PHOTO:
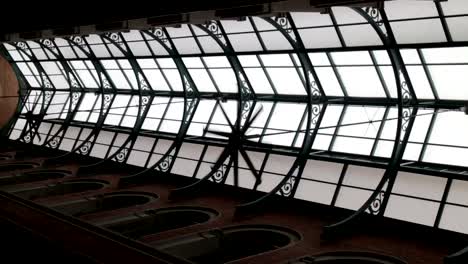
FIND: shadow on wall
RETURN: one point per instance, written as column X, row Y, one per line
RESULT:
column 8, row 87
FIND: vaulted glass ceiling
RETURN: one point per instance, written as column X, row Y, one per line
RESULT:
column 359, row 108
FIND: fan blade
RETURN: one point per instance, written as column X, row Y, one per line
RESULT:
column 253, row 118
column 226, row 116
column 236, row 168
column 249, row 162
column 253, row 136
column 219, row 133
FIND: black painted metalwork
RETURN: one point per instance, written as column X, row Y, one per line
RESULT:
column 315, row 101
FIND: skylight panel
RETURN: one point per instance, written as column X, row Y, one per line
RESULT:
column 410, row 9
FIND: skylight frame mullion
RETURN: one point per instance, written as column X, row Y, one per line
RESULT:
column 210, row 119
column 337, row 74
column 163, row 74
column 298, row 71
column 267, row 122
column 111, row 145
column 443, row 21
column 126, row 76
column 151, row 151
column 195, row 37
column 82, row 128
column 64, row 74
column 106, row 44
column 299, row 128
column 443, row 202
column 92, row 108
column 270, row 81
column 36, row 77
column 64, row 105
column 379, row 132
column 337, row 128
column 339, row 184
column 337, row 27
column 428, row 135
column 257, row 33
column 154, row 58
column 164, row 114
column 207, row 69
column 428, row 74
column 379, row 73
column 78, row 76
column 200, row 160
column 126, row 110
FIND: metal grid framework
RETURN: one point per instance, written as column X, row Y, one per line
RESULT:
column 357, row 108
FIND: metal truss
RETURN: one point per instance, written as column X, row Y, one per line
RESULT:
column 248, row 105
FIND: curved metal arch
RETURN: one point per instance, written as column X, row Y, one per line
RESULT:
column 376, row 203
column 191, row 100
column 27, row 136
column 288, row 185
column 229, row 156
column 53, row 141
column 23, row 84
column 121, row 154
column 105, row 84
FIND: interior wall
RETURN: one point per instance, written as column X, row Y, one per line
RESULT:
column 8, row 87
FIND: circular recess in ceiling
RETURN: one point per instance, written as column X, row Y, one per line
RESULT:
column 5, row 157
column 60, row 188
column 105, row 202
column 33, row 176
column 347, row 257
column 228, row 244
column 160, row 220
column 17, row 166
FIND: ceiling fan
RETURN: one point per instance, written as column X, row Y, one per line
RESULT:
column 236, row 141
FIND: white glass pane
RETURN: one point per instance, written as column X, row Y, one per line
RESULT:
column 233, row 26
column 346, row 15
column 353, row 145
column 418, row 185
column 176, row 32
column 446, row 55
column 410, row 9
column 454, row 7
column 311, row 19
column 286, row 80
column 450, row 128
column 412, row 210
column 363, row 177
column 282, row 118
column 419, row 31
column 329, row 81
column 322, row 171
column 361, row 81
column 457, row 27
column 328, row 38
column 274, row 40
column 420, row 83
column 446, row 155
column 202, row 80
column 360, row 35
column 245, row 42
column 450, row 81
column 352, row 198
column 454, row 218
column 279, row 164
column 186, row 45
column 258, row 80
column 225, row 79
column 315, row 191
column 458, row 193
